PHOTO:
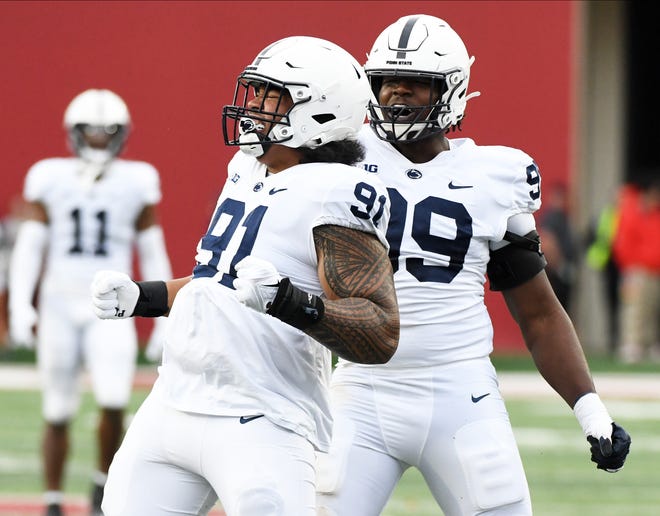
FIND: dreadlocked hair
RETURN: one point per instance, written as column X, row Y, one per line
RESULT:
column 348, row 152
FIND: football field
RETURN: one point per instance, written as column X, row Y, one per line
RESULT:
column 562, row 480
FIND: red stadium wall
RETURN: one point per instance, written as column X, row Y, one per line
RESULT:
column 175, row 64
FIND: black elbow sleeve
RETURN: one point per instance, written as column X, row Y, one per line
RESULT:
column 517, row 262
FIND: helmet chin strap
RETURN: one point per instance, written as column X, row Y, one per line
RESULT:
column 410, row 131
column 90, row 172
column 252, row 142
column 96, row 156
column 93, row 164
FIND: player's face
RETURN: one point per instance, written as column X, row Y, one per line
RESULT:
column 98, row 137
column 268, row 99
column 407, row 92
column 265, row 105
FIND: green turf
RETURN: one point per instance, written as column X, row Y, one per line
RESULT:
column 562, row 480
column 27, row 356
column 20, row 441
column 597, row 363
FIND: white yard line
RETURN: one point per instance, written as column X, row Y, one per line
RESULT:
column 643, row 386
column 26, row 377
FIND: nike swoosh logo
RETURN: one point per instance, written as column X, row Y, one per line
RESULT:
column 273, row 191
column 452, row 186
column 476, row 399
column 247, row 419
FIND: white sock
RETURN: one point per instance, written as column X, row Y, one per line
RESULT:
column 53, row 497
column 99, row 478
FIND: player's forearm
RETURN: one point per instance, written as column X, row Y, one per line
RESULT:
column 173, row 287
column 550, row 337
column 155, row 298
column 358, row 330
column 559, row 358
column 361, row 321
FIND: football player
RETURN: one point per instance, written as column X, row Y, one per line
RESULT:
column 460, row 212
column 293, row 266
column 84, row 213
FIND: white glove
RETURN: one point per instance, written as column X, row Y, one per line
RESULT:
column 256, row 283
column 154, row 350
column 21, row 322
column 114, row 295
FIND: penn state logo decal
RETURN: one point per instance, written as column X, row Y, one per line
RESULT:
column 413, row 173
column 258, row 186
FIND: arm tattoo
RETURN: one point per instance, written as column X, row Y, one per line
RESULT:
column 361, row 321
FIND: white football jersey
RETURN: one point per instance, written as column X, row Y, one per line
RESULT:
column 444, row 214
column 223, row 358
column 91, row 225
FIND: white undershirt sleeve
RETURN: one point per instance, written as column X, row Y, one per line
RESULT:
column 520, row 224
column 154, row 261
column 26, row 262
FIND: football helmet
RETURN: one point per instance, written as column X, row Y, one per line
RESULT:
column 327, row 86
column 419, row 46
column 99, row 116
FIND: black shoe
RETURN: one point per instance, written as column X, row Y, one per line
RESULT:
column 54, row 509
column 97, row 498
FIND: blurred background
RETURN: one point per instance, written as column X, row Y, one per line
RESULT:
column 574, row 84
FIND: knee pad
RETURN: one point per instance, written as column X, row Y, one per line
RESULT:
column 491, row 463
column 58, row 407
column 260, row 502
column 324, row 511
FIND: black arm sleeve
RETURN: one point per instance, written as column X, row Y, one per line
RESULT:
column 516, row 263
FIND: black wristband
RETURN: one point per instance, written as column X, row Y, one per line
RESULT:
column 296, row 307
column 152, row 301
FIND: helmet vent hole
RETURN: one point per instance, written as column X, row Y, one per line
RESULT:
column 323, row 118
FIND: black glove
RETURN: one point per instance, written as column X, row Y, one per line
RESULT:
column 610, row 455
column 259, row 286
column 295, row 306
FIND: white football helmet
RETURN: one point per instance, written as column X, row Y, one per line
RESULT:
column 100, row 114
column 328, row 87
column 419, row 46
